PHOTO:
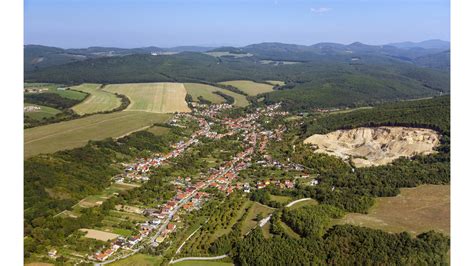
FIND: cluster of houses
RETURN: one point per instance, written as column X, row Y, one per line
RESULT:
column 283, row 184
column 31, row 108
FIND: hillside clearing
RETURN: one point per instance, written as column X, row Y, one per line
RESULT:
column 76, row 133
column 97, row 101
column 415, row 210
column 250, row 87
column 163, row 97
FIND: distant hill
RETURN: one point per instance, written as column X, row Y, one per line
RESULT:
column 39, row 56
column 429, row 44
column 439, row 61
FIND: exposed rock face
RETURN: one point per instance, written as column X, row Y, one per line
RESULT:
column 375, row 146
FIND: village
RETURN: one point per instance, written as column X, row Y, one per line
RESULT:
column 190, row 194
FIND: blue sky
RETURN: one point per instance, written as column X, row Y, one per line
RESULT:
column 166, row 23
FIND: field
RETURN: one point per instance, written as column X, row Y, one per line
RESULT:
column 281, row 199
column 249, row 222
column 157, row 130
column 202, row 263
column 153, row 97
column 219, row 54
column 53, row 88
column 304, row 203
column 97, row 101
column 139, row 260
column 99, row 235
column 76, row 133
column 276, row 82
column 414, row 210
column 249, row 87
column 44, row 112
column 206, row 91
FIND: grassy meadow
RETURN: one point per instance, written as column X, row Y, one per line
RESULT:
column 76, row 133
column 97, row 101
column 414, row 210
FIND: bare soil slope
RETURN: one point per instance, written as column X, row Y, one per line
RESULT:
column 375, row 146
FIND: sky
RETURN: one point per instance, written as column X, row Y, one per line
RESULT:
column 168, row 23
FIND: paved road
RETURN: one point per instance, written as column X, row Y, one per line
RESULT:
column 198, row 258
column 296, row 201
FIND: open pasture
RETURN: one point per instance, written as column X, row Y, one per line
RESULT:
column 163, row 97
column 76, row 133
column 414, row 210
column 250, row 87
column 97, row 101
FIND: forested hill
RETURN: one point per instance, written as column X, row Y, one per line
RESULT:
column 329, row 76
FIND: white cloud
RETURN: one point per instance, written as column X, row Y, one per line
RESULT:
column 320, row 10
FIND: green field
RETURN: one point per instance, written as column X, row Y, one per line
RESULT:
column 44, row 112
column 281, row 199
column 97, row 101
column 161, row 97
column 139, row 260
column 157, row 130
column 304, row 203
column 414, row 210
column 249, row 222
column 206, row 91
column 202, row 263
column 76, row 133
column 249, row 87
column 53, row 88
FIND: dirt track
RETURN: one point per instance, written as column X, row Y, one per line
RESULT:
column 375, row 146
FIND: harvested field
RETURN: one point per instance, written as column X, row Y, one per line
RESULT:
column 158, row 131
column 76, row 133
column 249, row 87
column 375, row 146
column 414, row 210
column 153, row 97
column 99, row 235
column 97, row 101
